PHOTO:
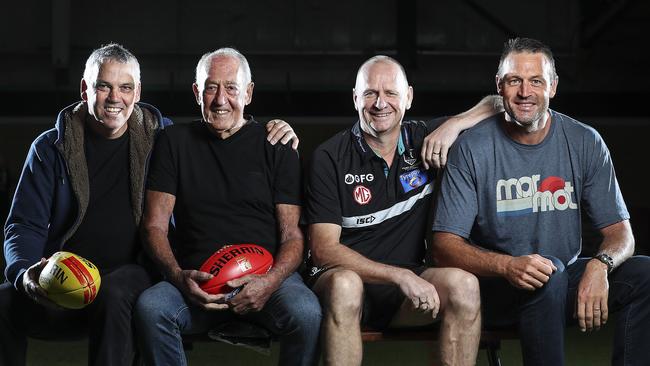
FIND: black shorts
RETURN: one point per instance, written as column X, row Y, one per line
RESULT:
column 380, row 302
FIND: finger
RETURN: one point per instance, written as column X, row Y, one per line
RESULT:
column 435, row 308
column 581, row 316
column 199, row 276
column 240, row 281
column 296, row 142
column 597, row 316
column 279, row 133
column 425, row 154
column 442, row 159
column 531, row 280
column 215, row 307
column 272, row 123
column 546, row 264
column 541, row 277
column 589, row 315
column 604, row 311
column 287, row 137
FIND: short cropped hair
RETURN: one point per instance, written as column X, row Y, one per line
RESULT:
column 530, row 45
column 381, row 58
column 110, row 52
column 204, row 64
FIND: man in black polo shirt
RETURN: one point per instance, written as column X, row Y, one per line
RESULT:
column 225, row 184
column 369, row 195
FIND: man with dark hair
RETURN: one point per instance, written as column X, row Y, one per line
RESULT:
column 509, row 211
column 224, row 184
column 368, row 199
column 81, row 190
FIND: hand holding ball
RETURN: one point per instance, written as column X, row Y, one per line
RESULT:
column 70, row 280
column 232, row 262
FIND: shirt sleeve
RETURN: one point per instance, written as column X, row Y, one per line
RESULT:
column 163, row 170
column 323, row 201
column 601, row 196
column 457, row 202
column 288, row 183
column 27, row 227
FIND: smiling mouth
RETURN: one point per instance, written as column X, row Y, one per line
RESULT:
column 381, row 115
column 220, row 112
column 113, row 110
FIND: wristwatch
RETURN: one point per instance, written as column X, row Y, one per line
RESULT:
column 609, row 262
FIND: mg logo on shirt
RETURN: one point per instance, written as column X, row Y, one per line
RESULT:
column 362, row 195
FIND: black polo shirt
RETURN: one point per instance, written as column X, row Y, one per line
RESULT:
column 382, row 212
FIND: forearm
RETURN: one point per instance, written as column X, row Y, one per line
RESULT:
column 450, row 250
column 335, row 255
column 159, row 249
column 488, row 106
column 618, row 242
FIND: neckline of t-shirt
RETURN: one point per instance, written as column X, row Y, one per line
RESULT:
column 547, row 138
column 235, row 136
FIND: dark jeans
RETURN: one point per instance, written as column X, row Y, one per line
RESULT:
column 541, row 316
column 107, row 321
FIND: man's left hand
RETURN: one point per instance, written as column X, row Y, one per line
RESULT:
column 255, row 293
column 436, row 145
column 593, row 290
column 279, row 130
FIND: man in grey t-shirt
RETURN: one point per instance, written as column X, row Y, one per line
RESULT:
column 509, row 212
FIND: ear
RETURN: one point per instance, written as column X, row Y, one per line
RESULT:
column 249, row 92
column 554, row 87
column 197, row 93
column 409, row 97
column 84, row 88
column 499, row 83
column 354, row 98
column 138, row 89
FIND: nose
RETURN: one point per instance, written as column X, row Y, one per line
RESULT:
column 380, row 102
column 220, row 98
column 114, row 94
column 524, row 89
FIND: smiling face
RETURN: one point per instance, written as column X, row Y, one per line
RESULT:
column 381, row 96
column 111, row 97
column 527, row 83
column 223, row 94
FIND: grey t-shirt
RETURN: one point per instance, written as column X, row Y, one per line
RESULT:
column 523, row 199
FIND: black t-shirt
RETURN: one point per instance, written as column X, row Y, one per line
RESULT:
column 107, row 235
column 226, row 190
column 383, row 217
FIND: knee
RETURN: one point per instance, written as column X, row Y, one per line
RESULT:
column 343, row 293
column 149, row 308
column 634, row 271
column 464, row 291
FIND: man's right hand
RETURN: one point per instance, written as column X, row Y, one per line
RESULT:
column 187, row 281
column 32, row 288
column 529, row 272
column 421, row 293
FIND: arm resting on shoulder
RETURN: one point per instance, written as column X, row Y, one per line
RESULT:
column 436, row 145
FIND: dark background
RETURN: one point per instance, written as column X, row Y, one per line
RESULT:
column 304, row 56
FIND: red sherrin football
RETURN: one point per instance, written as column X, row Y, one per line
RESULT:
column 234, row 261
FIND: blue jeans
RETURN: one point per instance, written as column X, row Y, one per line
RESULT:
column 541, row 315
column 163, row 315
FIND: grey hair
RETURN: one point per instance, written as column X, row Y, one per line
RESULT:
column 204, row 64
column 381, row 58
column 110, row 52
column 530, row 45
